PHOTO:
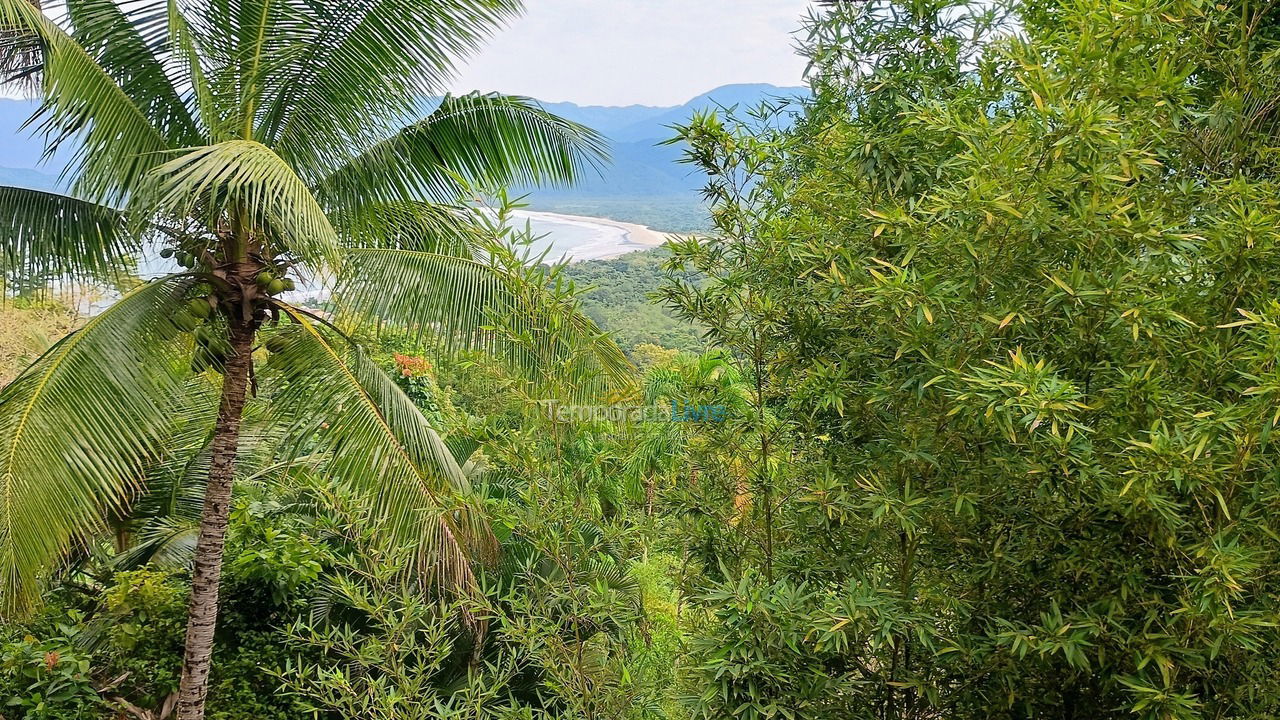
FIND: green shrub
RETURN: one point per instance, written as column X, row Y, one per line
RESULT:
column 145, row 617
column 47, row 680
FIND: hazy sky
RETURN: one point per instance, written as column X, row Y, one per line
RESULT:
column 651, row 52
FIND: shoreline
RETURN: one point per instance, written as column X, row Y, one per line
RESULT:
column 636, row 237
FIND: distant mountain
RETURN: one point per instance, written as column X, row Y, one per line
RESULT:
column 645, row 183
column 636, row 123
column 27, row 178
column 658, row 127
column 608, row 119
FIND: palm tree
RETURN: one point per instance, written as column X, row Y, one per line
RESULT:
column 261, row 141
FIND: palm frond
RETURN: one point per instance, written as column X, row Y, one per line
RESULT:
column 21, row 57
column 49, row 235
column 459, row 303
column 468, row 141
column 411, row 226
column 186, row 59
column 164, row 542
column 363, row 67
column 656, row 449
column 376, row 441
column 130, row 40
column 117, row 142
column 244, row 175
column 446, row 296
column 242, row 44
column 79, row 426
column 164, row 519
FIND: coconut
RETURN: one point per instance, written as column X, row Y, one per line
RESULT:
column 276, row 344
column 264, row 278
column 275, row 286
column 185, row 322
column 200, row 307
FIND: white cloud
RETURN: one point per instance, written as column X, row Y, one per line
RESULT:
column 654, row 52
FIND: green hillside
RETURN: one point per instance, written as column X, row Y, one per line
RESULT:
column 619, row 301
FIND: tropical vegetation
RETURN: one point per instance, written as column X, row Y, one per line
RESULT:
column 976, row 425
column 259, row 143
column 617, row 295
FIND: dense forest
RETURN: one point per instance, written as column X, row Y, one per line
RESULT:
column 618, row 295
column 961, row 410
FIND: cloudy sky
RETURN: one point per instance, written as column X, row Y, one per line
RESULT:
column 651, row 52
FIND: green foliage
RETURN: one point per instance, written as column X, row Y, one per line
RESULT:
column 995, row 338
column 758, row 645
column 242, row 687
column 47, row 680
column 258, row 156
column 457, row 297
column 485, row 140
column 262, row 145
column 55, row 235
column 380, row 650
column 127, row 352
column 573, row 617
column 275, row 551
column 1003, row 302
column 143, row 613
column 619, row 301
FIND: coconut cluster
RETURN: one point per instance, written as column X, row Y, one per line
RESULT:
column 211, row 342
column 272, row 284
column 186, row 259
column 200, row 316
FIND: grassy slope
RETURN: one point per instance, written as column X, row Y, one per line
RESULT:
column 28, row 328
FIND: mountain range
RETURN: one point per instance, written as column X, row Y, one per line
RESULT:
column 644, row 182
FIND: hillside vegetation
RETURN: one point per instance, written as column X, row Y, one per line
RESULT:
column 619, row 294
column 965, row 412
column 28, row 327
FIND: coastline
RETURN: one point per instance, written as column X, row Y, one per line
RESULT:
column 635, row 237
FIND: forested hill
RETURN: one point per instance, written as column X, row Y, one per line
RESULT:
column 619, row 302
column 645, row 182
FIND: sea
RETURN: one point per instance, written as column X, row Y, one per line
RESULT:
column 572, row 238
column 562, row 238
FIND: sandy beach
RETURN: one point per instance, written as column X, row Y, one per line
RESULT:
column 615, row 238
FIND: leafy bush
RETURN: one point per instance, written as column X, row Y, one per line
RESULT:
column 144, row 617
column 275, row 549
column 47, row 680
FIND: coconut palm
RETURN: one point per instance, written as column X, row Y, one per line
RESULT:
column 260, row 142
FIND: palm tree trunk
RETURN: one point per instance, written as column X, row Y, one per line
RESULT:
column 202, row 615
